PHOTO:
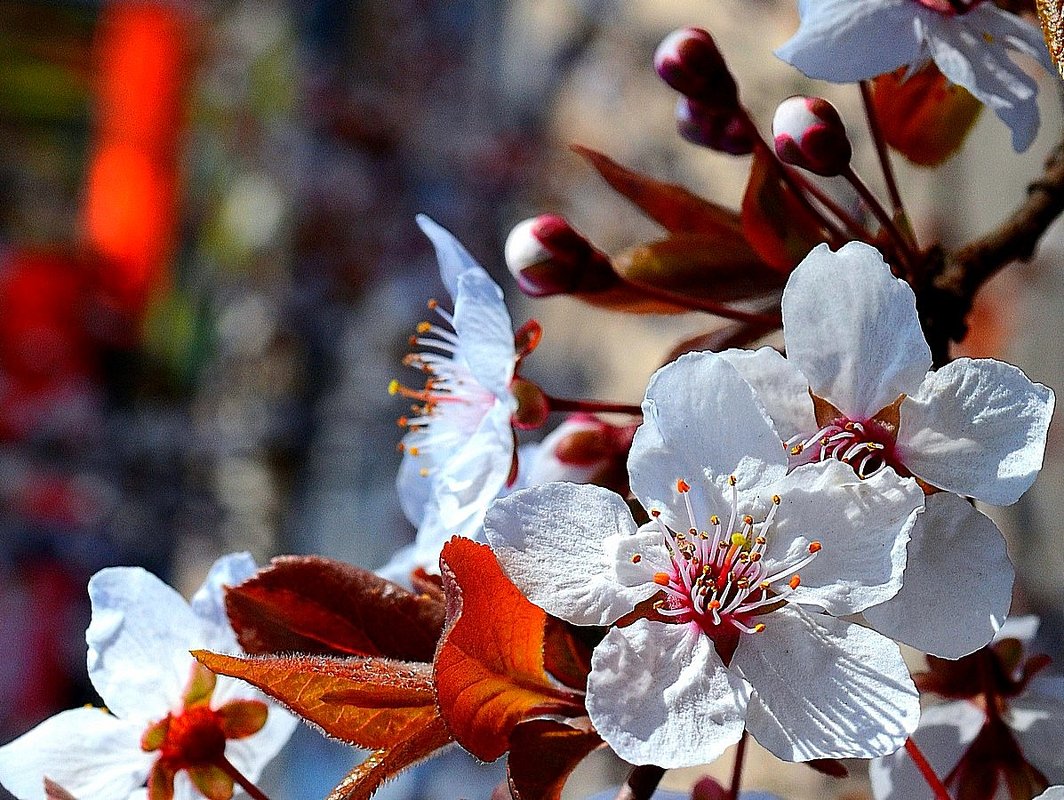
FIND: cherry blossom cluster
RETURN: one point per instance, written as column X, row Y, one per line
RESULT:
column 743, row 554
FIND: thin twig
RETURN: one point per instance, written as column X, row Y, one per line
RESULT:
column 227, row 767
column 592, row 406
column 737, row 768
column 945, row 294
column 876, row 130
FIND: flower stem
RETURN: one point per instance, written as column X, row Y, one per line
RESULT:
column 737, row 768
column 881, row 151
column 227, row 767
column 926, row 770
column 641, row 783
column 697, row 304
column 591, row 406
column 905, row 252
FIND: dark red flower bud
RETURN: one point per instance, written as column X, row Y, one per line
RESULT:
column 689, row 61
column 548, row 256
column 726, row 131
column 809, row 133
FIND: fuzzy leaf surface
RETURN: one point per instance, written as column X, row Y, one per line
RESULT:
column 543, row 753
column 309, row 604
column 489, row 669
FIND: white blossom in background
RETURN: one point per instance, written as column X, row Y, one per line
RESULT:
column 845, row 41
column 139, row 663
column 736, row 547
column 458, row 453
column 856, row 387
column 1034, row 720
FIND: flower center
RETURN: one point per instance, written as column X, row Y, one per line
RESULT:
column 452, row 403
column 866, row 446
column 719, row 580
column 194, row 737
column 950, row 7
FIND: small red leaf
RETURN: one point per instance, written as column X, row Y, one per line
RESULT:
column 367, row 702
column 776, row 223
column 675, row 208
column 489, row 665
column 543, row 753
column 418, row 744
column 565, row 657
column 309, row 604
column 923, row 116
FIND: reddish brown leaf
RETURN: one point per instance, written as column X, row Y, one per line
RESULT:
column 673, row 207
column 309, row 604
column 778, row 226
column 543, row 753
column 564, row 656
column 419, row 743
column 702, row 266
column 367, row 702
column 924, row 117
column 489, row 665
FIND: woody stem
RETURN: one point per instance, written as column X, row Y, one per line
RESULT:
column 925, row 768
column 876, row 130
column 591, row 406
column 226, row 766
column 737, row 768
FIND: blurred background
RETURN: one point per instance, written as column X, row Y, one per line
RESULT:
column 209, row 270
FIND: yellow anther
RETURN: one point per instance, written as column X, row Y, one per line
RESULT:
column 759, row 540
column 432, row 304
column 423, row 327
column 797, row 450
column 794, row 582
column 682, row 486
column 748, row 520
column 759, row 627
column 732, row 480
column 714, row 605
column 776, row 499
column 814, row 547
column 423, row 472
column 413, row 451
column 661, row 578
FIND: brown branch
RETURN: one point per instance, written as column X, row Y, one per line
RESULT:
column 950, row 281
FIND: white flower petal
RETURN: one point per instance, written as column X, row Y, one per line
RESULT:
column 208, row 603
column 945, row 732
column 850, row 40
column 1038, row 720
column 779, row 386
column 968, row 53
column 1052, row 793
column 957, row 586
column 413, row 487
column 851, row 328
column 824, row 688
column 659, row 694
column 560, row 543
column 476, row 472
column 701, row 423
column 453, row 258
column 1023, row 627
column 139, row 638
column 863, row 527
column 88, row 752
column 485, row 332
column 977, row 428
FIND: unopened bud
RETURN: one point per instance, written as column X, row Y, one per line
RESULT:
column 809, row 133
column 689, row 61
column 724, row 130
column 584, row 449
column 548, row 256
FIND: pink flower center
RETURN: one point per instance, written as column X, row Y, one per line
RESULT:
column 448, row 410
column 719, row 580
column 950, row 7
column 867, row 446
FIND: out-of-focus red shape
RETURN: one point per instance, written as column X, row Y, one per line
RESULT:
column 129, row 214
column 924, row 117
